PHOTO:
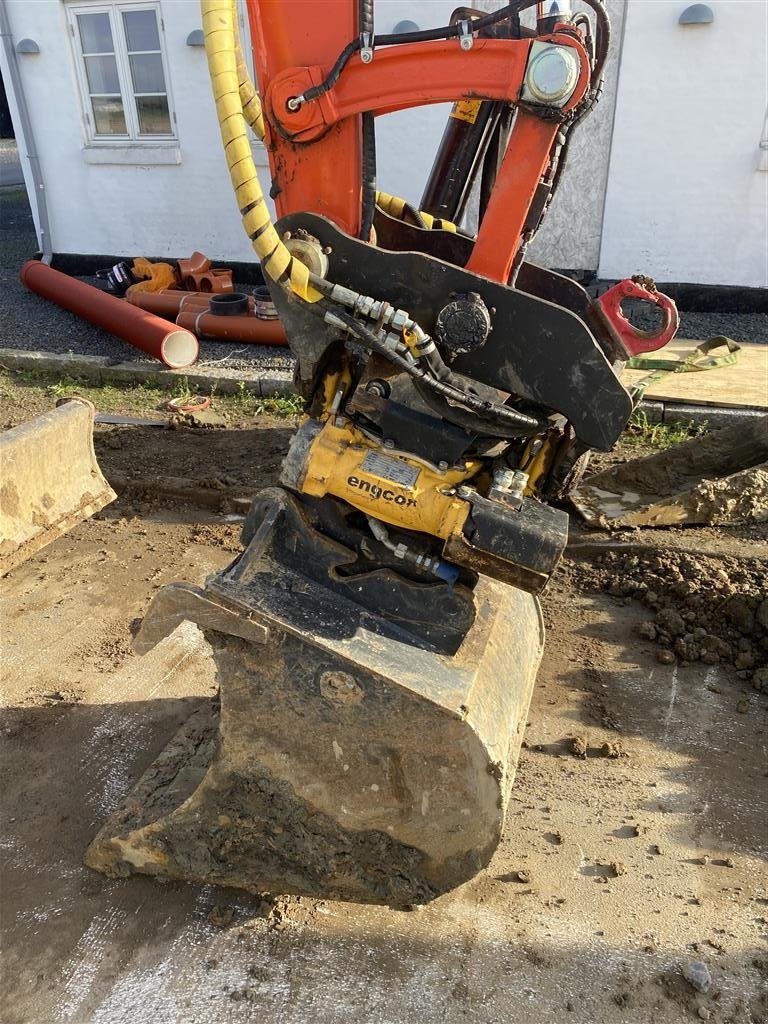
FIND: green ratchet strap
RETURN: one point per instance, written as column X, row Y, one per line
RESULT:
column 698, row 359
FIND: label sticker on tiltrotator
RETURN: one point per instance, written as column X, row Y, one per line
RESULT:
column 397, row 472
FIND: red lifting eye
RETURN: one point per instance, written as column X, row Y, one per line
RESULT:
column 630, row 339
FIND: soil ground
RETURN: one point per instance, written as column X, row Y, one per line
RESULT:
column 622, row 863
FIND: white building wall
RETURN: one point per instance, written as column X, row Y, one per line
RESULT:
column 169, row 210
column 113, row 208
column 686, row 201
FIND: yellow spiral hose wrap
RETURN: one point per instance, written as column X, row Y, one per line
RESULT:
column 221, row 47
column 249, row 96
column 395, row 207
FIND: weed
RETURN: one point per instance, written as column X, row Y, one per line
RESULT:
column 181, row 388
column 280, row 405
column 641, row 431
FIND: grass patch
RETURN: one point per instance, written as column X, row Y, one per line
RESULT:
column 640, row 431
column 135, row 399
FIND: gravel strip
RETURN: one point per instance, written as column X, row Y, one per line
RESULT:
column 739, row 326
column 28, row 321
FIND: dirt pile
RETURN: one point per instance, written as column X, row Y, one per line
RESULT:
column 712, row 610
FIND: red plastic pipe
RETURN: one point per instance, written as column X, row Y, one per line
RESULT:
column 175, row 346
column 170, row 302
column 247, row 329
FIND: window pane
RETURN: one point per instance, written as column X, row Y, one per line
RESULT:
column 141, row 30
column 108, row 115
column 102, row 74
column 147, row 72
column 154, row 118
column 95, row 33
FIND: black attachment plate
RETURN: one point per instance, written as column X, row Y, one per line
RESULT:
column 453, row 247
column 536, row 349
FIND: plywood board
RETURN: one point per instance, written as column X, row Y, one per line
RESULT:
column 742, row 385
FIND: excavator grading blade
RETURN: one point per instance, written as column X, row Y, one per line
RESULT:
column 351, row 759
column 49, row 480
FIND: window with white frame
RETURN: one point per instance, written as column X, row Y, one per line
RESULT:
column 122, row 71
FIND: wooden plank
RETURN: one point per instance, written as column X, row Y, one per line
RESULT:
column 744, row 384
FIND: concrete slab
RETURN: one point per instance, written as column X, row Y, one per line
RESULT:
column 10, row 165
column 11, row 174
column 265, row 383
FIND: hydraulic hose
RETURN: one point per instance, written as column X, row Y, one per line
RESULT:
column 524, row 425
column 424, row 563
column 397, row 207
column 220, row 33
column 369, row 175
column 249, row 96
column 365, row 27
column 452, row 32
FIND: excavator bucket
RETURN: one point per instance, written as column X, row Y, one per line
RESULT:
column 716, row 479
column 49, row 480
column 349, row 756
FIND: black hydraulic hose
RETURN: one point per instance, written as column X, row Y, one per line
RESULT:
column 369, row 175
column 365, row 24
column 453, row 31
column 525, row 425
column 333, row 75
column 603, row 38
column 602, row 44
column 365, row 16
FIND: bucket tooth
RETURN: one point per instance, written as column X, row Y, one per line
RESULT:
column 350, row 760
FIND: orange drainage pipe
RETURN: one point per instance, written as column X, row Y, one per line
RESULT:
column 170, row 302
column 247, row 329
column 174, row 346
